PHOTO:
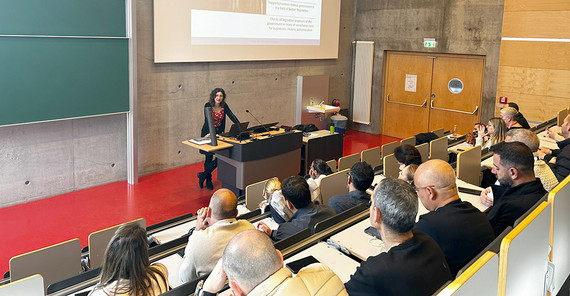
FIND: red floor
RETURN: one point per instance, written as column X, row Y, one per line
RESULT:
column 156, row 198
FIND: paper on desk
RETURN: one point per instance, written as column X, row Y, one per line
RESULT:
column 174, row 232
column 172, row 264
column 269, row 221
column 473, row 199
column 357, row 242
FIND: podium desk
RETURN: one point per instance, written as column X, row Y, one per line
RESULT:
column 261, row 157
column 264, row 155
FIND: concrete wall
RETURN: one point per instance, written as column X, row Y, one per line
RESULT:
column 68, row 155
column 459, row 26
column 44, row 159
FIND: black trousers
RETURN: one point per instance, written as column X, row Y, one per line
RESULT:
column 210, row 164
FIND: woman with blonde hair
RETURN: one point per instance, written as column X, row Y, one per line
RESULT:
column 496, row 133
column 274, row 198
column 126, row 268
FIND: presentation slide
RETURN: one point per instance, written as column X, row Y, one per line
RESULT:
column 284, row 22
column 234, row 30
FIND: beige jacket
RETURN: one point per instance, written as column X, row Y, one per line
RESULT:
column 313, row 280
column 545, row 174
column 205, row 247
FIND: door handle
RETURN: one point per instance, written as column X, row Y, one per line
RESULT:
column 424, row 104
column 453, row 110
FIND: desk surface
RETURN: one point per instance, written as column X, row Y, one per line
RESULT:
column 357, row 242
column 172, row 263
column 546, row 141
column 338, row 262
column 209, row 148
column 317, row 134
column 460, row 147
column 258, row 136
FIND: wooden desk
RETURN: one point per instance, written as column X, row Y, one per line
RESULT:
column 209, row 148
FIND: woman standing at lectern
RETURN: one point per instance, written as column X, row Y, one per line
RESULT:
column 219, row 111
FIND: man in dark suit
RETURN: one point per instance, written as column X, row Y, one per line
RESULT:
column 513, row 164
column 360, row 178
column 305, row 213
column 413, row 263
column 460, row 229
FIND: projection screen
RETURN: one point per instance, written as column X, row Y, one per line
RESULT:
column 245, row 30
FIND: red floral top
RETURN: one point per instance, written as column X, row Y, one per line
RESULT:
column 218, row 117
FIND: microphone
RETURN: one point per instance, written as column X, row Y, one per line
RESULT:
column 247, row 110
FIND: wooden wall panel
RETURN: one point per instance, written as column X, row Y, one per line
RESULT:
column 536, row 74
column 531, row 54
column 536, row 5
column 559, row 84
column 537, row 24
column 523, row 80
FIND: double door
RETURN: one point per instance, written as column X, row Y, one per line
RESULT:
column 424, row 92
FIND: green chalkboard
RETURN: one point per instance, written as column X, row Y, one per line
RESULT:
column 54, row 78
column 48, row 77
column 63, row 17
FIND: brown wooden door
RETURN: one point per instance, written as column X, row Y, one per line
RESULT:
column 432, row 103
column 406, row 95
column 464, row 76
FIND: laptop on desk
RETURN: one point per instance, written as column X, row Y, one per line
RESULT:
column 236, row 129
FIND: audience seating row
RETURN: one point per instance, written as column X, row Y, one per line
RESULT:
column 66, row 256
column 533, row 256
column 256, row 190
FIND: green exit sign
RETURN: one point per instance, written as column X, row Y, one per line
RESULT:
column 429, row 42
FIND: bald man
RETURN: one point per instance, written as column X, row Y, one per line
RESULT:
column 215, row 227
column 460, row 229
column 253, row 266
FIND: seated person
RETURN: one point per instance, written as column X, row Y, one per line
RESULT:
column 495, row 133
column 274, row 199
column 406, row 155
column 259, row 270
column 513, row 164
column 305, row 213
column 126, row 269
column 360, row 178
column 460, row 229
column 560, row 157
column 215, row 226
column 319, row 169
column 413, row 264
column 541, row 169
column 509, row 115
column 407, row 173
column 519, row 117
